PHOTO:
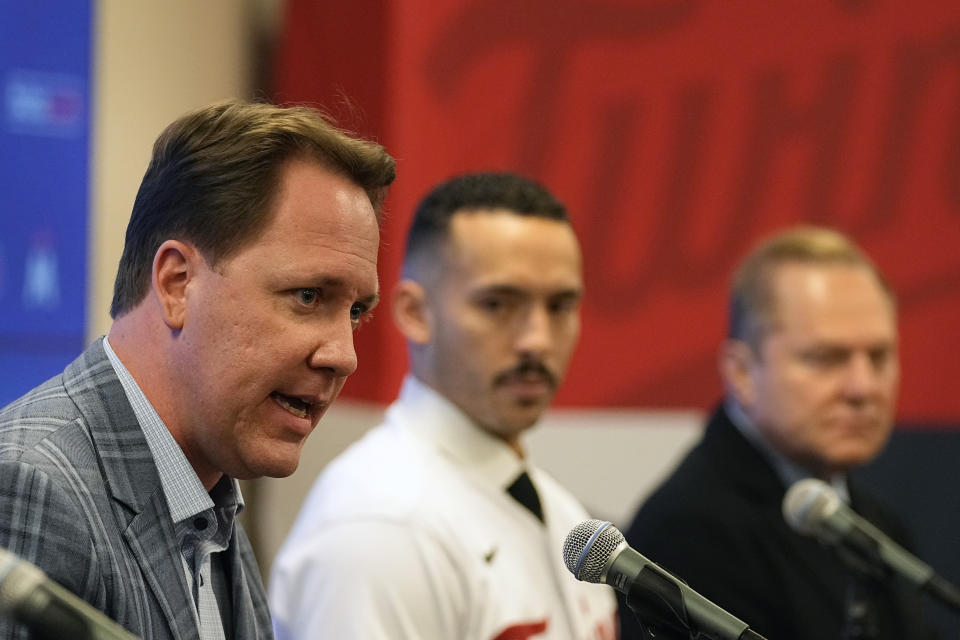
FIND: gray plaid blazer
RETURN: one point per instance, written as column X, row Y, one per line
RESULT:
column 80, row 497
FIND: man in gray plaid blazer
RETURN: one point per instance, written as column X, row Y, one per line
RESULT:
column 249, row 260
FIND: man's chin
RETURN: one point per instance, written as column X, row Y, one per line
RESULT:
column 268, row 471
column 521, row 418
column 278, row 464
column 851, row 457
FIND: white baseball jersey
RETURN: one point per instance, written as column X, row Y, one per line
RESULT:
column 410, row 533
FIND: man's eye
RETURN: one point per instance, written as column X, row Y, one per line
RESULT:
column 492, row 305
column 357, row 311
column 308, row 297
column 562, row 305
column 880, row 358
column 827, row 358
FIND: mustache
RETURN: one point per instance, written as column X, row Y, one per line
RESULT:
column 526, row 368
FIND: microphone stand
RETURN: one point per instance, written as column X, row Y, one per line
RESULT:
column 663, row 616
column 657, row 603
column 945, row 592
column 871, row 565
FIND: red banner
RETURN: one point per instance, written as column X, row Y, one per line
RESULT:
column 677, row 132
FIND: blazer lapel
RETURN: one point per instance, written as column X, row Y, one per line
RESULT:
column 153, row 542
column 756, row 479
column 131, row 477
column 250, row 611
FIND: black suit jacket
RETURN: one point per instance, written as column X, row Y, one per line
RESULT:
column 716, row 522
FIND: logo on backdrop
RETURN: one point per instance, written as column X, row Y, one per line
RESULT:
column 41, row 276
column 44, row 104
column 677, row 151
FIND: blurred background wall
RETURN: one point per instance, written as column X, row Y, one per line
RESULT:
column 677, row 131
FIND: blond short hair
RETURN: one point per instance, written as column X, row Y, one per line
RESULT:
column 753, row 304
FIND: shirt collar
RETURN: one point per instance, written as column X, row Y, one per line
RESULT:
column 185, row 494
column 434, row 420
column 787, row 470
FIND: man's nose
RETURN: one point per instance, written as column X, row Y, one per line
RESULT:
column 534, row 334
column 862, row 376
column 334, row 349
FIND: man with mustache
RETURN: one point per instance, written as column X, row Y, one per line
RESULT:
column 810, row 370
column 437, row 525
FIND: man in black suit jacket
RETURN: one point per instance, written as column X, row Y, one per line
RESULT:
column 811, row 373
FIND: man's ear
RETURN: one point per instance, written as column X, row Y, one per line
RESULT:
column 174, row 265
column 736, row 360
column 410, row 312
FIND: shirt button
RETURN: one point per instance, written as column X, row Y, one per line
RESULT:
column 200, row 523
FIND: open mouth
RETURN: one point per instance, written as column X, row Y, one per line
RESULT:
column 296, row 406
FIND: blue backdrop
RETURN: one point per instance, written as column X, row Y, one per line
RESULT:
column 44, row 149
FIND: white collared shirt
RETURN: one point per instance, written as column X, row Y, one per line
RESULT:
column 411, row 534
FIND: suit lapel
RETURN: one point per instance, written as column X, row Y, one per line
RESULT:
column 755, row 479
column 152, row 540
column 131, row 478
column 250, row 612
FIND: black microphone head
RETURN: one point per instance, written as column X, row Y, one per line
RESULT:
column 588, row 547
column 808, row 504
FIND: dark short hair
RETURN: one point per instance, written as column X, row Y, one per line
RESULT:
column 753, row 305
column 214, row 174
column 477, row 192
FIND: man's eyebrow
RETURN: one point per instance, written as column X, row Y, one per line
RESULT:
column 502, row 289
column 371, row 301
column 512, row 290
column 333, row 283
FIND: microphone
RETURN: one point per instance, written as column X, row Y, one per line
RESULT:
column 813, row 508
column 595, row 551
column 50, row 611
